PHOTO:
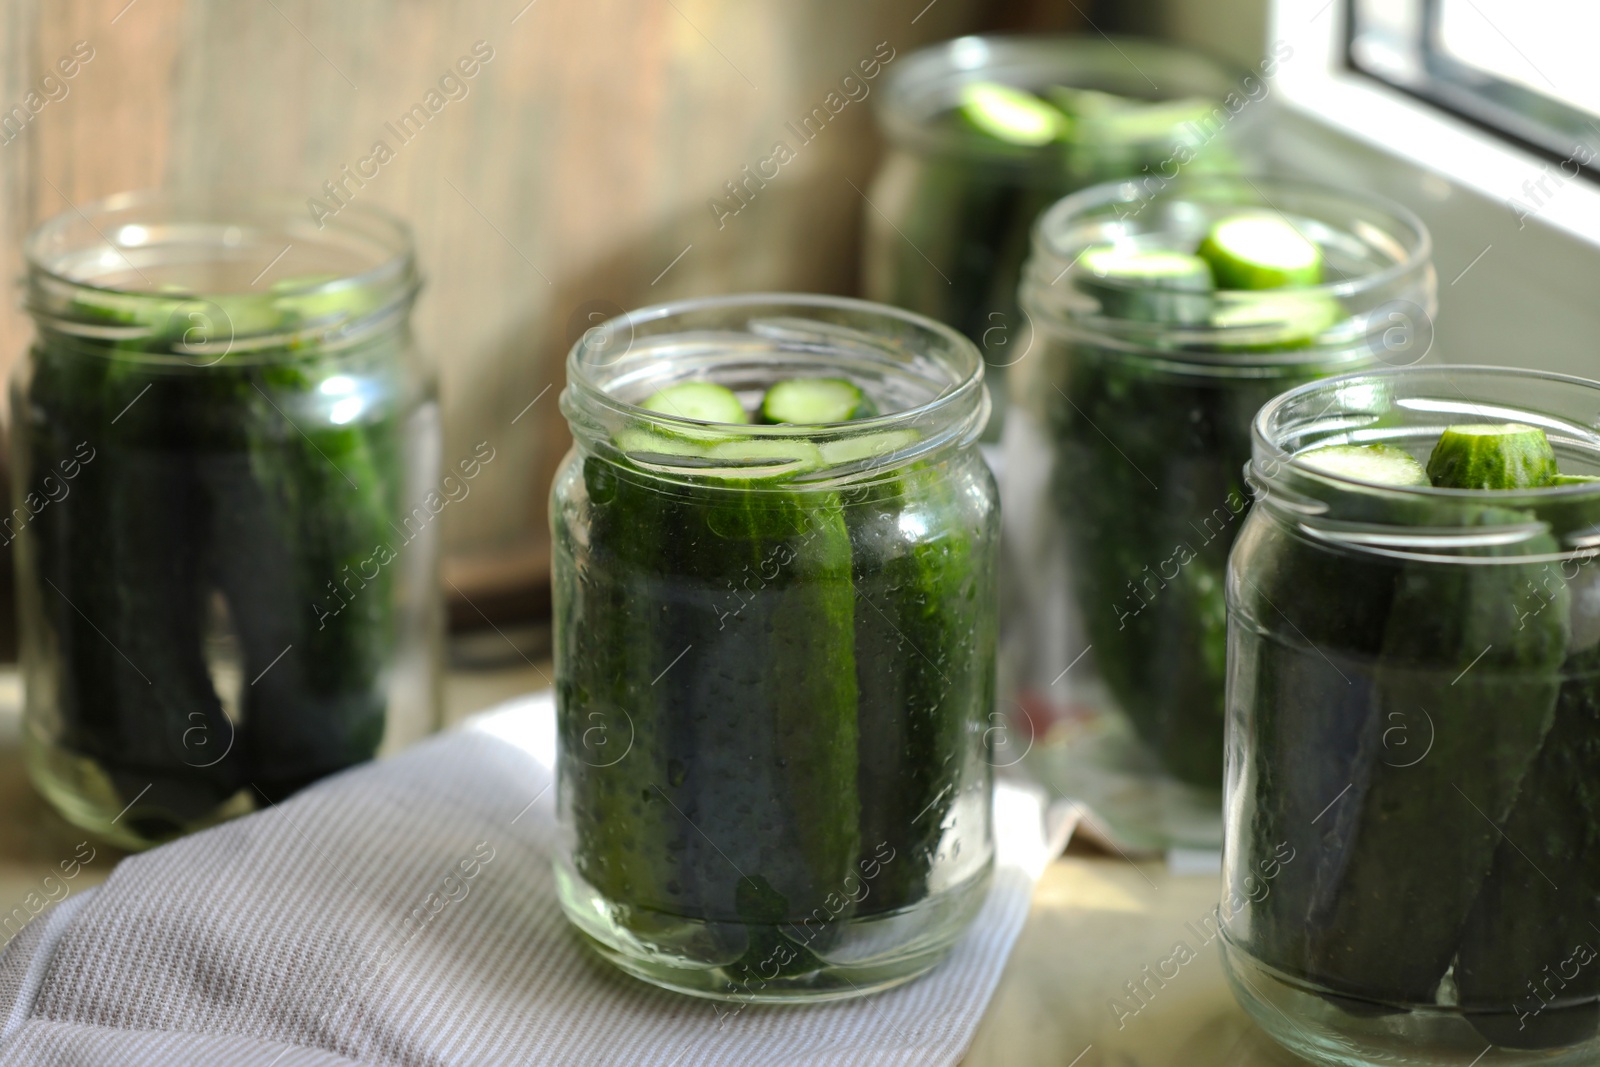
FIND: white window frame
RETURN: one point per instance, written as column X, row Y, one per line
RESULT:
column 1316, row 80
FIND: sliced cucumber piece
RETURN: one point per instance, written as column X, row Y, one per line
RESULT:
column 1153, row 285
column 868, row 446
column 1494, row 455
column 761, row 458
column 1260, row 252
column 701, row 401
column 1276, row 320
column 815, row 401
column 1009, row 114
column 1380, row 464
column 1574, row 479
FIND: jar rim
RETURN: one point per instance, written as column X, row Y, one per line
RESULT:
column 955, row 414
column 923, row 87
column 376, row 247
column 1418, row 253
column 1405, row 285
column 1356, row 513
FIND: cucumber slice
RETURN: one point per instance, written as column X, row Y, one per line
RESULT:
column 1378, row 463
column 761, row 458
column 815, row 401
column 701, row 401
column 1276, row 320
column 1105, row 118
column 1149, row 285
column 870, row 446
column 1009, row 114
column 1574, row 479
column 1504, row 455
column 1260, row 252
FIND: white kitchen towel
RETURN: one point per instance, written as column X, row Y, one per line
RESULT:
column 405, row 913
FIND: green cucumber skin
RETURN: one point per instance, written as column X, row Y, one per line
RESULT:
column 321, row 707
column 1308, row 718
column 925, row 663
column 835, row 686
column 744, row 751
column 199, row 488
column 1362, row 644
column 121, row 585
column 1125, row 538
column 1509, row 461
column 1487, row 731
column 1523, row 930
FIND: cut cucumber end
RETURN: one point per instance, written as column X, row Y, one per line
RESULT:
column 1175, row 270
column 1276, row 320
column 1154, row 285
column 1260, row 252
column 701, row 401
column 1009, row 114
column 759, row 460
column 1379, row 464
column 1492, row 455
column 815, row 402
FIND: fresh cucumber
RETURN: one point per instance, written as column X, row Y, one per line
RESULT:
column 1505, row 455
column 925, row 663
column 815, row 402
column 1455, row 648
column 1253, row 252
column 1274, row 320
column 1148, row 285
column 1380, row 464
column 1009, row 114
column 739, row 684
column 1526, row 975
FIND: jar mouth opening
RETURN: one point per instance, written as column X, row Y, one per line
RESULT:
column 1407, row 407
column 1412, row 241
column 927, row 83
column 933, row 372
column 231, row 274
column 1379, row 250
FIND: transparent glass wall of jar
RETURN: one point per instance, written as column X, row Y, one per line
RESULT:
column 1124, row 486
column 952, row 208
column 222, row 439
column 774, row 652
column 1413, row 733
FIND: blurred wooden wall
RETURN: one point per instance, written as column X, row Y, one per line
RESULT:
column 574, row 175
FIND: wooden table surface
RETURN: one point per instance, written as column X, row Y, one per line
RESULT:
column 1095, row 923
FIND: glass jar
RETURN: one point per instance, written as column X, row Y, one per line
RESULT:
column 953, row 209
column 774, row 652
column 1124, row 485
column 1413, row 734
column 226, row 564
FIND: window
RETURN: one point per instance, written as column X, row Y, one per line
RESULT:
column 1522, row 68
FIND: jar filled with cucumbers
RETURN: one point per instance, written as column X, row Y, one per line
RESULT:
column 1414, row 720
column 775, row 625
column 226, row 565
column 1162, row 324
column 987, row 132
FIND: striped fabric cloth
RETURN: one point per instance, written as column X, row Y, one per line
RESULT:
column 405, row 913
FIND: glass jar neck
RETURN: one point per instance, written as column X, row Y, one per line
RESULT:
column 1407, row 408
column 1375, row 304
column 150, row 278
column 926, row 377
